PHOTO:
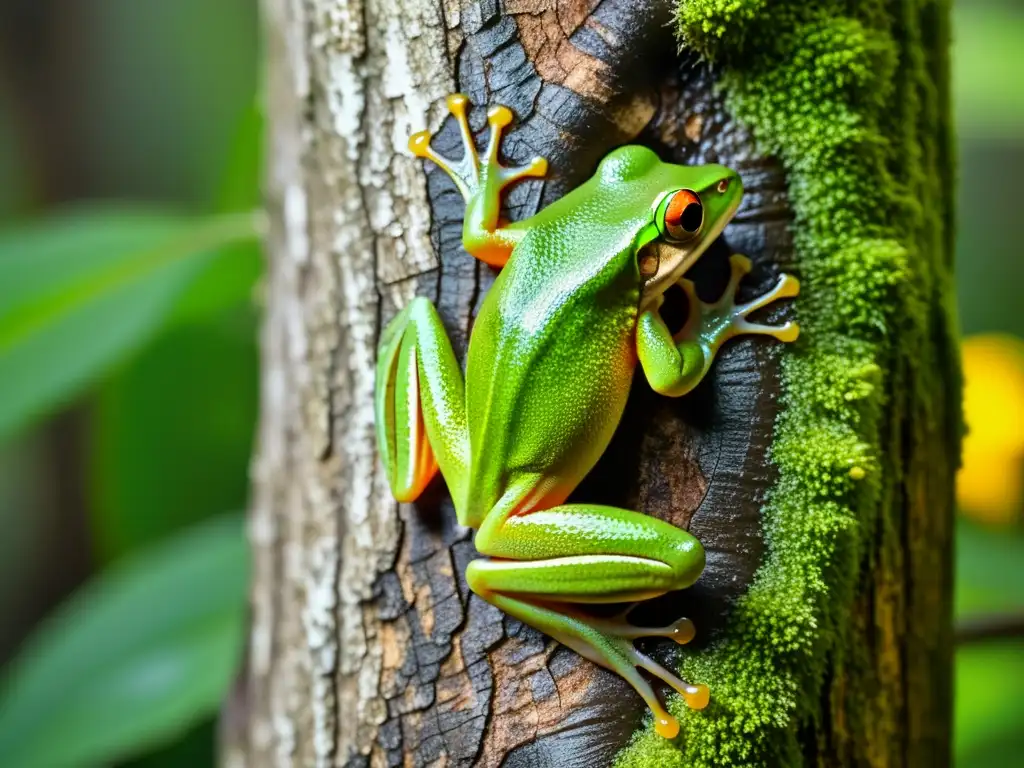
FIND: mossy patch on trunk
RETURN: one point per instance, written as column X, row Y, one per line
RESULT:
column 851, row 96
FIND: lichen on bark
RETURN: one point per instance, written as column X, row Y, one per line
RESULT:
column 839, row 652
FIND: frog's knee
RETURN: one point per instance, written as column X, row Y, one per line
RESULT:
column 686, row 558
column 476, row 578
column 421, row 308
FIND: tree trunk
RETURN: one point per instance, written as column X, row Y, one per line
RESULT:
column 817, row 476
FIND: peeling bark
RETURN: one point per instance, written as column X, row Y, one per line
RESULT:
column 366, row 646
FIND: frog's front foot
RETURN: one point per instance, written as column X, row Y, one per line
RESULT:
column 711, row 325
column 481, row 182
column 470, row 174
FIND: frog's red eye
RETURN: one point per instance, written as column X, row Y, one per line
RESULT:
column 683, row 216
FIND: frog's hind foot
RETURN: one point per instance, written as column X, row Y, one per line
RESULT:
column 469, row 173
column 714, row 324
column 610, row 644
column 682, row 631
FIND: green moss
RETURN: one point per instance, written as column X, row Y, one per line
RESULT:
column 862, row 141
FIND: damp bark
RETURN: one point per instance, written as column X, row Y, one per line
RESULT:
column 366, row 647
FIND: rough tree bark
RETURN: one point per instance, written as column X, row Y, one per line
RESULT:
column 366, row 647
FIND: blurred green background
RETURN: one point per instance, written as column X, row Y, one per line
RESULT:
column 129, row 160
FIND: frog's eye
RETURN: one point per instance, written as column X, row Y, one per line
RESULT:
column 683, row 215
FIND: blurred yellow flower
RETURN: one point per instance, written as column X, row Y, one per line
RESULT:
column 990, row 485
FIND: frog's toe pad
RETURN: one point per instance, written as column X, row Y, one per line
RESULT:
column 666, row 726
column 419, row 144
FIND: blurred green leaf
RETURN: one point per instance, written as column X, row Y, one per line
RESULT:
column 226, row 280
column 988, row 57
column 229, row 278
column 138, row 656
column 172, row 431
column 80, row 290
column 240, row 183
column 989, row 577
column 990, row 705
column 989, row 692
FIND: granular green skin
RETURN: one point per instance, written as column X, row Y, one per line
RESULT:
column 818, row 85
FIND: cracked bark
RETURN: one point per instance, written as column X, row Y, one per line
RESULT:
column 366, row 647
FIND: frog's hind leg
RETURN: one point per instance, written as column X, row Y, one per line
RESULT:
column 481, row 182
column 550, row 561
column 419, row 398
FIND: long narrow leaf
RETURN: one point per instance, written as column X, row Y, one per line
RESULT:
column 229, row 278
column 79, row 291
column 137, row 656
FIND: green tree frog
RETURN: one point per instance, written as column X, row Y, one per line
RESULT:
column 548, row 370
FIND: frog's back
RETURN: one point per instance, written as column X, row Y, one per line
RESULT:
column 552, row 355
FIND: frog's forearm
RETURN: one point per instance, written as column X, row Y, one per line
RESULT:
column 672, row 367
column 482, row 234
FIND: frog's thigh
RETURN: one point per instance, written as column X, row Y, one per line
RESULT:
column 419, row 402
column 586, row 553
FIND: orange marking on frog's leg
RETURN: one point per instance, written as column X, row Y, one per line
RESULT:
column 424, row 468
column 416, row 464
